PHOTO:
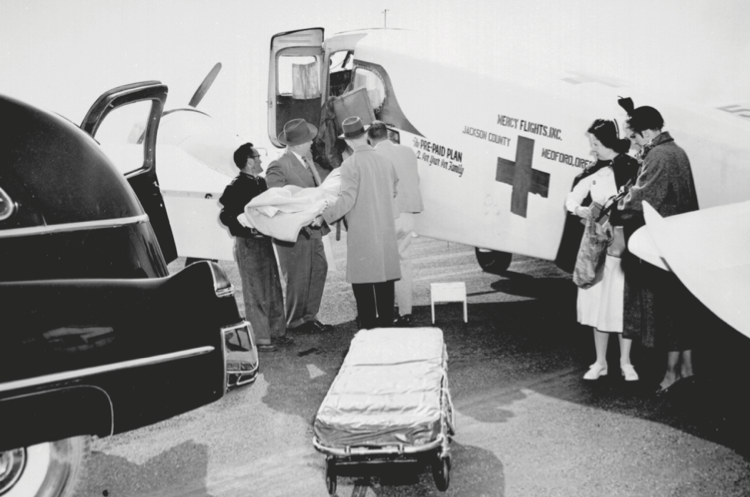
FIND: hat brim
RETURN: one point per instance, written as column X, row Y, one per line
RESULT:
column 355, row 135
column 312, row 132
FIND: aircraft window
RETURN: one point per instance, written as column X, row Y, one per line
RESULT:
column 299, row 76
column 121, row 135
column 374, row 85
column 340, row 72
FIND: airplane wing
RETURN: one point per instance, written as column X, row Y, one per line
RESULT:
column 191, row 194
column 709, row 251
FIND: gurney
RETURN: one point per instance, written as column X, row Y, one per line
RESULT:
column 389, row 403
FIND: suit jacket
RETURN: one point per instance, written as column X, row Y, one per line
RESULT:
column 288, row 170
column 409, row 198
column 368, row 189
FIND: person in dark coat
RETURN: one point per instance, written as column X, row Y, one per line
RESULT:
column 657, row 305
column 253, row 251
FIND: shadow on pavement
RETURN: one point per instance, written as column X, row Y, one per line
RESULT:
column 177, row 472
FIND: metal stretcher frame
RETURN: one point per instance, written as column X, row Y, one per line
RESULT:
column 391, row 348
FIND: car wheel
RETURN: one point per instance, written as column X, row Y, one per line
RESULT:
column 47, row 469
column 492, row 261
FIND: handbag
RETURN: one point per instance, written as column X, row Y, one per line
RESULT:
column 591, row 255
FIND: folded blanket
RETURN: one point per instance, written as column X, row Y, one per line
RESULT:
column 282, row 212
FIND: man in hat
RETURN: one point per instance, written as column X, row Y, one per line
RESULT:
column 303, row 263
column 408, row 204
column 366, row 198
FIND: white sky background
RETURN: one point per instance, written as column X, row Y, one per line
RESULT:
column 61, row 55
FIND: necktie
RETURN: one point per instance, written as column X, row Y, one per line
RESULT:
column 311, row 168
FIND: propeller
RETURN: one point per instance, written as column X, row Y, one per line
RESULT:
column 205, row 85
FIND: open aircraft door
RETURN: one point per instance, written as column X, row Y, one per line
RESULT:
column 295, row 79
column 125, row 121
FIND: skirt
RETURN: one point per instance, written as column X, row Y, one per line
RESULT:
column 601, row 306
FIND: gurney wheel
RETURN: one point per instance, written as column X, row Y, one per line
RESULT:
column 331, row 476
column 441, row 472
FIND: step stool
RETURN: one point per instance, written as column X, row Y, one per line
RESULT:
column 448, row 292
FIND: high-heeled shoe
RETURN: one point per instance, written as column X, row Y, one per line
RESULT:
column 595, row 371
column 628, row 371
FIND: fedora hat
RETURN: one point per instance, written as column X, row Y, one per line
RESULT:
column 297, row 132
column 353, row 127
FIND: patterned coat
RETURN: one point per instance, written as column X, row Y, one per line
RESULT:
column 657, row 305
column 368, row 190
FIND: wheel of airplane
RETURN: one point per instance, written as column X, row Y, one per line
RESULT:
column 492, row 261
column 49, row 469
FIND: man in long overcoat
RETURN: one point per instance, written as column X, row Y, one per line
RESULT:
column 368, row 190
column 408, row 204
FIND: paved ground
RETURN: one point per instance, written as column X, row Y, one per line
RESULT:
column 527, row 425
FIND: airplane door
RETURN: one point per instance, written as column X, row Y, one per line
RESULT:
column 125, row 121
column 295, row 73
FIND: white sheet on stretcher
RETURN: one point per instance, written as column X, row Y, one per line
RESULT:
column 282, row 212
column 389, row 390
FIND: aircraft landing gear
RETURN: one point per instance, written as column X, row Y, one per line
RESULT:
column 492, row 261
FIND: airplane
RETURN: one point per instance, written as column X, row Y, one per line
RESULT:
column 498, row 144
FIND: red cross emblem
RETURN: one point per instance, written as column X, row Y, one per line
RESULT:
column 522, row 177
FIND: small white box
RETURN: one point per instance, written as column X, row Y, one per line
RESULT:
column 448, row 292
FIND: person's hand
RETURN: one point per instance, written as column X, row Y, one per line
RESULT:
column 583, row 212
column 318, row 221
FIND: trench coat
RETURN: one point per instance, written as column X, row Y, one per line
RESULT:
column 367, row 201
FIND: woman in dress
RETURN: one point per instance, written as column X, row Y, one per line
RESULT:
column 601, row 305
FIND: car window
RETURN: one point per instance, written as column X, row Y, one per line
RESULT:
column 121, row 135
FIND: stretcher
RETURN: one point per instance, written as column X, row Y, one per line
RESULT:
column 389, row 403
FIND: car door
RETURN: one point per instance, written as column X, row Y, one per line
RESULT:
column 295, row 79
column 125, row 121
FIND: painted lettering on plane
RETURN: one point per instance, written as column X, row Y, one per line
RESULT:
column 522, row 177
column 529, row 127
column 490, row 137
column 565, row 158
column 433, row 154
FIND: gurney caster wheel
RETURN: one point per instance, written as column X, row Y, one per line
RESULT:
column 441, row 472
column 331, row 476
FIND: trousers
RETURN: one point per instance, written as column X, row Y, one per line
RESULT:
column 404, row 286
column 261, row 289
column 374, row 304
column 304, row 268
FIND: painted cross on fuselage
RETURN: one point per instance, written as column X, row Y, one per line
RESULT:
column 522, row 177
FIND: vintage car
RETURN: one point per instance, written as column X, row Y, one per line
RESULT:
column 97, row 337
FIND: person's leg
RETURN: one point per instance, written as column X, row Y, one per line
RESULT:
column 625, row 345
column 628, row 371
column 252, row 289
column 671, row 375
column 294, row 262
column 364, row 294
column 403, row 287
column 686, row 364
column 599, row 368
column 384, row 302
column 317, row 279
column 271, row 296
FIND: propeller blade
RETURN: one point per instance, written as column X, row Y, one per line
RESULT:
column 205, row 85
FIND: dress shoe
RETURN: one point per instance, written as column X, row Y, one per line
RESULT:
column 628, row 371
column 266, row 347
column 318, row 327
column 595, row 371
column 403, row 321
column 285, row 340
